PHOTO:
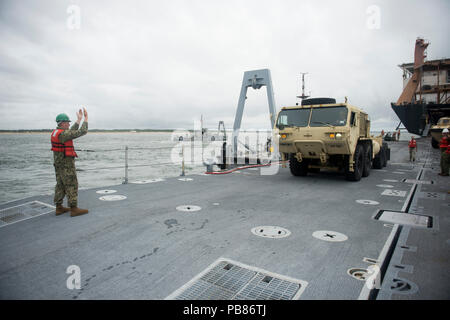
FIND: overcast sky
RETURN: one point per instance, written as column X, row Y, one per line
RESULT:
column 162, row 64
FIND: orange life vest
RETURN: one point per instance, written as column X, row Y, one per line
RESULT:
column 443, row 143
column 412, row 144
column 66, row 147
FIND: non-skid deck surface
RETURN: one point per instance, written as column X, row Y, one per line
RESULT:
column 142, row 247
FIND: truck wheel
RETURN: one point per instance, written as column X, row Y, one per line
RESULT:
column 378, row 161
column 384, row 157
column 367, row 161
column 298, row 168
column 358, row 165
column 384, row 154
column 434, row 143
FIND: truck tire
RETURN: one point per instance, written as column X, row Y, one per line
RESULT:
column 298, row 168
column 384, row 157
column 387, row 153
column 378, row 160
column 434, row 143
column 367, row 161
column 358, row 165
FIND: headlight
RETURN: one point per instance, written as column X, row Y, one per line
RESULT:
column 332, row 135
column 338, row 135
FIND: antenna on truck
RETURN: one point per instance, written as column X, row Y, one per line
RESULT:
column 303, row 96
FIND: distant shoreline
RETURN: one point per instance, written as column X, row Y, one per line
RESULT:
column 90, row 131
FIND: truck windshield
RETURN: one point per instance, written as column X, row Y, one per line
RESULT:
column 293, row 118
column 329, row 116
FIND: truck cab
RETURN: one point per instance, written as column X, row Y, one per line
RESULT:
column 323, row 134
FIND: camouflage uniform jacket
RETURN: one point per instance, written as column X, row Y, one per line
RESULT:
column 60, row 160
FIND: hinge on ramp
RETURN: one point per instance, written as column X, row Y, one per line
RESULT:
column 425, row 131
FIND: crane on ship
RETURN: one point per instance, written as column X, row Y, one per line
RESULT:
column 409, row 92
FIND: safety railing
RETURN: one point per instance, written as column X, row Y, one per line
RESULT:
column 127, row 166
column 184, row 144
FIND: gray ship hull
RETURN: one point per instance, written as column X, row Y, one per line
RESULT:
column 144, row 248
column 416, row 116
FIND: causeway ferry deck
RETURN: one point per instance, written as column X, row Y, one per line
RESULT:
column 192, row 238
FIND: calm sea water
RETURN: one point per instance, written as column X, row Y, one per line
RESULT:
column 26, row 162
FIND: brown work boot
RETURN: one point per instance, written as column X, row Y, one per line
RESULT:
column 75, row 211
column 60, row 209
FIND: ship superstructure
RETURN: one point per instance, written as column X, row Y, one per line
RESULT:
column 425, row 97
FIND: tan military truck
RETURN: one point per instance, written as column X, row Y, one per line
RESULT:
column 436, row 131
column 322, row 134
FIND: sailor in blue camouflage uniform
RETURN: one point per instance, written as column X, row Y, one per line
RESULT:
column 64, row 162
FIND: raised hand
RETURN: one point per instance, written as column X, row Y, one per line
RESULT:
column 85, row 114
column 79, row 116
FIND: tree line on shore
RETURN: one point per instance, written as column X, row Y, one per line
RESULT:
column 90, row 130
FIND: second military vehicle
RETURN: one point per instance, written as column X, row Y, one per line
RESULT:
column 436, row 131
column 323, row 134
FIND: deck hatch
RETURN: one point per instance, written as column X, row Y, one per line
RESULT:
column 394, row 193
column 368, row 202
column 106, row 191
column 117, row 197
column 188, row 208
column 331, row 236
column 147, row 181
column 24, row 211
column 409, row 219
column 230, row 280
column 432, row 195
column 274, row 232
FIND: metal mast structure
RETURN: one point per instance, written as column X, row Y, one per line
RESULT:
column 303, row 96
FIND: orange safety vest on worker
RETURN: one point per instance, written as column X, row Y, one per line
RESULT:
column 412, row 144
column 66, row 147
column 443, row 144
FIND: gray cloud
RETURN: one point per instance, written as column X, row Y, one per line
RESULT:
column 155, row 64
